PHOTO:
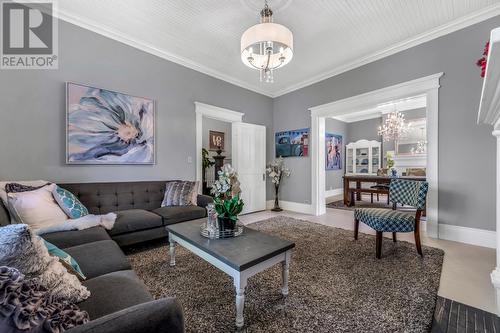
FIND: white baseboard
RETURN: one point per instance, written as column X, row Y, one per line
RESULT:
column 333, row 192
column 473, row 236
column 291, row 206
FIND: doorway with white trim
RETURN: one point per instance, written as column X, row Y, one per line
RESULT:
column 426, row 87
column 247, row 151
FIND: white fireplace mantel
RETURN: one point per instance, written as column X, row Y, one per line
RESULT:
column 489, row 113
column 410, row 161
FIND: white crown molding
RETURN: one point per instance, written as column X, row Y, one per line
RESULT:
column 450, row 27
column 148, row 48
column 463, row 22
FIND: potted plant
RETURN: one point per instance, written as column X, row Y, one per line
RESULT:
column 389, row 160
column 276, row 170
column 227, row 202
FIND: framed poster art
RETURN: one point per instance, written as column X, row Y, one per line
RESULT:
column 216, row 140
column 292, row 143
column 108, row 127
column 333, row 151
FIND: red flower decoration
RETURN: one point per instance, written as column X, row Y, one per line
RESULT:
column 482, row 62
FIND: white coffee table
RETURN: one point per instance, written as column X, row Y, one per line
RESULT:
column 240, row 257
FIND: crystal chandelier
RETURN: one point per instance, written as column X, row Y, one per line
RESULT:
column 394, row 128
column 266, row 46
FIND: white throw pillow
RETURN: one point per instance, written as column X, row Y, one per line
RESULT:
column 3, row 194
column 37, row 208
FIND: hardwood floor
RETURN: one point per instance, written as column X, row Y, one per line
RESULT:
column 451, row 316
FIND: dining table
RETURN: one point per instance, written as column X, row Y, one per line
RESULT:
column 352, row 194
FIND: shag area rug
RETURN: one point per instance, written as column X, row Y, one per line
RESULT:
column 336, row 284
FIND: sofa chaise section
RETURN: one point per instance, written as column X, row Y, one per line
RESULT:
column 119, row 301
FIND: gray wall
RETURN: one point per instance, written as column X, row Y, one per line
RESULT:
column 364, row 130
column 466, row 150
column 32, row 125
column 32, row 114
column 333, row 178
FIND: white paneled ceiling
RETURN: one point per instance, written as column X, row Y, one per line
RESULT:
column 331, row 36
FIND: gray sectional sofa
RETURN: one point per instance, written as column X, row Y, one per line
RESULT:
column 119, row 301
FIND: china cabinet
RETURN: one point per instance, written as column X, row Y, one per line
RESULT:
column 363, row 157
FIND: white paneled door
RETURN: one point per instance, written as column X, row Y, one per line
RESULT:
column 249, row 160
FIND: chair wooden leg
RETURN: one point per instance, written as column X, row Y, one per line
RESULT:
column 371, row 197
column 417, row 232
column 378, row 199
column 417, row 242
column 394, row 237
column 356, row 229
column 379, row 244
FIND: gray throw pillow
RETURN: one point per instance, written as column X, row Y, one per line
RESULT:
column 25, row 306
column 22, row 249
column 180, row 193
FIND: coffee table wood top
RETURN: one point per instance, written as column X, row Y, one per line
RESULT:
column 241, row 252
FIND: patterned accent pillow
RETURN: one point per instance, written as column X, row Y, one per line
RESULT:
column 25, row 306
column 64, row 258
column 17, row 188
column 180, row 193
column 69, row 203
column 20, row 248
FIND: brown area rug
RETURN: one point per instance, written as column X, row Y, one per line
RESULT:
column 336, row 284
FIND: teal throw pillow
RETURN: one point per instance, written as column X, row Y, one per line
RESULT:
column 68, row 261
column 69, row 203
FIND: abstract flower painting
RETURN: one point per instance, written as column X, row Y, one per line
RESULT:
column 107, row 127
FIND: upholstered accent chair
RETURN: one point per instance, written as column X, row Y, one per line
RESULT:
column 406, row 192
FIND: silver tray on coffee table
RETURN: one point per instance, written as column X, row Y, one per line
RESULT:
column 238, row 230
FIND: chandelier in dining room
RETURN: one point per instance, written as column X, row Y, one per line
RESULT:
column 394, row 127
column 266, row 46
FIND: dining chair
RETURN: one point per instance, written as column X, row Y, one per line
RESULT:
column 406, row 192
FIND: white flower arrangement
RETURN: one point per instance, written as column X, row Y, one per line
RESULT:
column 276, row 170
column 228, row 185
column 227, row 202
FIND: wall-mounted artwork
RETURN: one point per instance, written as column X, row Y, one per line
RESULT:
column 108, row 127
column 292, row 143
column 216, row 140
column 333, row 150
